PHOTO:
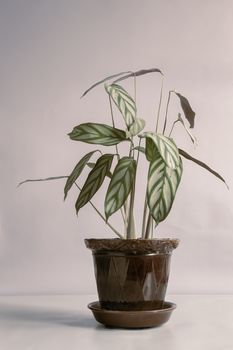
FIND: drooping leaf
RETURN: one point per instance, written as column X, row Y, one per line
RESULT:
column 137, row 126
column 92, row 165
column 94, row 180
column 120, row 185
column 203, row 165
column 43, row 179
column 76, row 172
column 103, row 81
column 166, row 148
column 161, row 188
column 127, row 74
column 187, row 109
column 124, row 102
column 138, row 73
column 99, row 134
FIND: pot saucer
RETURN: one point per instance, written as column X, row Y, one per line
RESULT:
column 132, row 319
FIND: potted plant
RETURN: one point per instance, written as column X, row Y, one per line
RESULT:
column 132, row 270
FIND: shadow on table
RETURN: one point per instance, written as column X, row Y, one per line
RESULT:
column 29, row 314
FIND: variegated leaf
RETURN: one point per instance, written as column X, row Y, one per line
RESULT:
column 123, row 101
column 94, row 180
column 166, row 148
column 120, row 185
column 137, row 126
column 92, row 165
column 161, row 188
column 76, row 172
column 99, row 134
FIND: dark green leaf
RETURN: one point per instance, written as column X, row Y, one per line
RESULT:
column 120, row 185
column 188, row 112
column 100, row 134
column 140, row 149
column 94, row 180
column 76, row 172
column 91, row 165
column 203, row 165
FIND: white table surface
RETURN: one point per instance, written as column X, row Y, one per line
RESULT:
column 200, row 322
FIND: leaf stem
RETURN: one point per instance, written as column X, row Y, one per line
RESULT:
column 102, row 216
column 148, row 226
column 166, row 114
column 160, row 103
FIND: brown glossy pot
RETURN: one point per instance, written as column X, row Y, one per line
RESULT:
column 131, row 274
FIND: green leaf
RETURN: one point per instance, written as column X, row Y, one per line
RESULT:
column 161, row 188
column 138, row 73
column 203, row 165
column 120, row 185
column 99, row 134
column 94, row 180
column 140, row 149
column 92, row 165
column 166, row 148
column 187, row 109
column 123, row 101
column 103, row 81
column 137, row 126
column 76, row 172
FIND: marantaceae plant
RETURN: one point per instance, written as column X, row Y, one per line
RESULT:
column 164, row 159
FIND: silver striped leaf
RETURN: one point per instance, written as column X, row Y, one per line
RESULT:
column 124, row 102
column 137, row 126
column 99, row 134
column 94, row 180
column 76, row 172
column 161, row 188
column 120, row 185
column 166, row 148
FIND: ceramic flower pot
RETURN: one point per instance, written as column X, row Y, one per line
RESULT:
column 131, row 274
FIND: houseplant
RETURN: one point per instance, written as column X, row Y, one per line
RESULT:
column 132, row 270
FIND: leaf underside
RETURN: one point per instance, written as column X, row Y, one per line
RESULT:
column 187, row 109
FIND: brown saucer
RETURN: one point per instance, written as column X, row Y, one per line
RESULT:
column 132, row 319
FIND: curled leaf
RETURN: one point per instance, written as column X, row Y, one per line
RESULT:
column 187, row 109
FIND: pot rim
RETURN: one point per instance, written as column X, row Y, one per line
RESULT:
column 155, row 245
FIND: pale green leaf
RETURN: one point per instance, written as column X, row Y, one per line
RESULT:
column 123, row 101
column 120, row 185
column 166, row 148
column 137, row 126
column 161, row 188
column 92, row 165
column 94, row 180
column 96, row 133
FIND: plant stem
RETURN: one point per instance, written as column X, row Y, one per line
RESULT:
column 166, row 115
column 173, row 127
column 148, row 226
column 144, row 218
column 113, row 124
column 159, row 108
column 102, row 216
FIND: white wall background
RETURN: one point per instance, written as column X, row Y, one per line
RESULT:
column 51, row 51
